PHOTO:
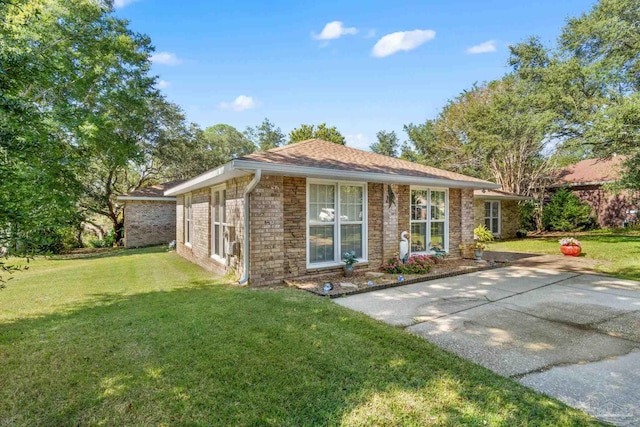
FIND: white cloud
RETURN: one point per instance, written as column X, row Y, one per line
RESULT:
column 165, row 58
column 119, row 4
column 163, row 84
column 401, row 41
column 358, row 141
column 241, row 103
column 486, row 47
column 334, row 30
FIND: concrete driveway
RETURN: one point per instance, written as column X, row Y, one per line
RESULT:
column 570, row 335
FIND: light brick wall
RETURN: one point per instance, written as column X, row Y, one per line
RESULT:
column 509, row 216
column 403, row 199
column 466, row 220
column 376, row 224
column 200, row 250
column 389, row 208
column 149, row 222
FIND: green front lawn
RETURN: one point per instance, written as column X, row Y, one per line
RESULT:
column 617, row 250
column 143, row 337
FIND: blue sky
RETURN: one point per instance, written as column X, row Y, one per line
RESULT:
column 362, row 66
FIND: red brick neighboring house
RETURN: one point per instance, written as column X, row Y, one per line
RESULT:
column 149, row 216
column 586, row 179
column 293, row 210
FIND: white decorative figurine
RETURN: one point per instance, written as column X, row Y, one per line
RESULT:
column 404, row 246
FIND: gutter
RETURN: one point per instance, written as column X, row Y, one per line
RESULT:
column 247, row 191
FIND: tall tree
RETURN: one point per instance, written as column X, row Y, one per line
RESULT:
column 227, row 142
column 387, row 144
column 322, row 131
column 265, row 136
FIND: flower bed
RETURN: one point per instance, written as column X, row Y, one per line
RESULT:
column 362, row 283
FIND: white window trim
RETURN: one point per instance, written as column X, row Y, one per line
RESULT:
column 223, row 225
column 188, row 221
column 499, row 215
column 428, row 221
column 336, row 226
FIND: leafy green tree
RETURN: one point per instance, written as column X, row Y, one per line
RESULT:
column 265, row 136
column 322, row 131
column 387, row 144
column 566, row 212
column 227, row 142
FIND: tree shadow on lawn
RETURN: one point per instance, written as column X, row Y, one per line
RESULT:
column 232, row 356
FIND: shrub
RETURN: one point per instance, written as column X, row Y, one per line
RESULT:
column 527, row 211
column 566, row 212
column 416, row 264
column 107, row 241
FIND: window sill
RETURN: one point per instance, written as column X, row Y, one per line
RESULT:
column 316, row 267
column 189, row 245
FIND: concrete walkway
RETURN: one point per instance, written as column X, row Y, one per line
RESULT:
column 570, row 335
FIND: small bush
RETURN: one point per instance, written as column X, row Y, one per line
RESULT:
column 528, row 211
column 107, row 241
column 566, row 212
column 416, row 264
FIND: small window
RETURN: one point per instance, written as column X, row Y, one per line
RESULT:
column 188, row 219
column 428, row 220
column 492, row 216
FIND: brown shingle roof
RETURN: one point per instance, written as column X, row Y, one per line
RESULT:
column 154, row 190
column 591, row 171
column 328, row 155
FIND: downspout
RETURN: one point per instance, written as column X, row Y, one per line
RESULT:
column 252, row 185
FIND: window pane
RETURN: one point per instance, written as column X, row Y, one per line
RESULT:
column 495, row 206
column 321, row 203
column 487, row 209
column 216, row 241
column 216, row 205
column 351, row 239
column 438, row 205
column 495, row 225
column 437, row 235
column 418, row 237
column 351, row 202
column 487, row 223
column 418, row 205
column 321, row 243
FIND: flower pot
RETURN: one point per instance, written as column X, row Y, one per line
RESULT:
column 570, row 250
column 478, row 254
column 348, row 270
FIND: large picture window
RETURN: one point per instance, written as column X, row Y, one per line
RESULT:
column 429, row 220
column 336, row 215
column 492, row 216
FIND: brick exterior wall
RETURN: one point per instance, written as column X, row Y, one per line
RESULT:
column 278, row 227
column 267, row 232
column 610, row 209
column 199, row 251
column 295, row 226
column 466, row 220
column 509, row 216
column 149, row 222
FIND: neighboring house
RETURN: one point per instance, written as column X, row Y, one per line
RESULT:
column 498, row 211
column 149, row 216
column 586, row 179
column 311, row 201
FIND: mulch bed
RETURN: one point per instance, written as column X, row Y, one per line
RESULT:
column 445, row 268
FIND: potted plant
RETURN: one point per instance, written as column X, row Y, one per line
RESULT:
column 349, row 259
column 481, row 235
column 570, row 246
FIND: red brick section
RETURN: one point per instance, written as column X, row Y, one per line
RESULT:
column 328, row 155
column 466, row 220
column 267, row 233
column 376, row 224
column 149, row 222
column 455, row 221
column 295, row 227
column 403, row 199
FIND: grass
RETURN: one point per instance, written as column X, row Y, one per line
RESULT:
column 617, row 250
column 143, row 337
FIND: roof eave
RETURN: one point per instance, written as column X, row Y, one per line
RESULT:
column 207, row 179
column 324, row 173
column 146, row 198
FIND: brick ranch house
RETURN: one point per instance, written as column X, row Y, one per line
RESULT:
column 149, row 216
column 587, row 179
column 293, row 210
column 498, row 211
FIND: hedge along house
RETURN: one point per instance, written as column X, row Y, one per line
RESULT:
column 293, row 210
column 149, row 216
column 498, row 211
